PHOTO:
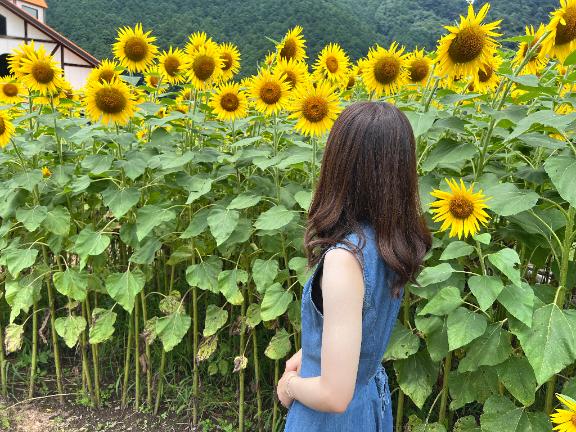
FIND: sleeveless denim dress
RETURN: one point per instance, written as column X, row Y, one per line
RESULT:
column 370, row 409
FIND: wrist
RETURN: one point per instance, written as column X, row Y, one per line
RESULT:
column 288, row 390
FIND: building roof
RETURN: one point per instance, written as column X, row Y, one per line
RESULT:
column 85, row 55
column 41, row 3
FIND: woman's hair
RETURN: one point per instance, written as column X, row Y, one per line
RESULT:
column 368, row 175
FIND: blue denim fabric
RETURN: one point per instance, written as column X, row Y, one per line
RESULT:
column 370, row 409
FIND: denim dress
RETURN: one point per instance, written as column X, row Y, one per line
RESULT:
column 370, row 409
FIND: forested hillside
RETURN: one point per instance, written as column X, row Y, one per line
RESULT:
column 355, row 24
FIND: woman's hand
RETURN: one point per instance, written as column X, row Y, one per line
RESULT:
column 281, row 389
column 294, row 363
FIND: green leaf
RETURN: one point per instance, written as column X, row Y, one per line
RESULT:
column 124, row 287
column 279, row 345
column 416, row 376
column 102, row 327
column 57, row 221
column 519, row 302
column 274, row 218
column 448, row 152
column 198, row 186
column 421, row 122
column 146, row 252
column 207, row 348
column 32, row 218
column 466, row 424
column 548, row 118
column 562, row 172
column 275, row 302
column 491, row 349
column 456, row 249
column 435, row 332
column 149, row 217
column 253, row 317
column 228, row 281
column 19, row 259
column 215, row 319
column 205, row 274
column 13, row 338
column 72, row 283
column 403, row 343
column 97, row 164
column 264, row 272
column 222, row 223
column 120, row 201
column 472, row 386
column 483, row 238
column 464, row 326
column 486, row 289
column 197, row 225
column 89, row 243
column 501, row 415
column 171, row 329
column 507, row 200
column 432, row 275
column 244, row 201
column 70, row 328
column 304, row 199
column 505, row 260
column 517, row 376
column 550, row 344
column 21, row 294
column 444, row 302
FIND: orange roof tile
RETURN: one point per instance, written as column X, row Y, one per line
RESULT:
column 41, row 3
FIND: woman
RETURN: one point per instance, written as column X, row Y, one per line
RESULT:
column 368, row 239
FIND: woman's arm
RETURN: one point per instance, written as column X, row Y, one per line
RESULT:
column 343, row 294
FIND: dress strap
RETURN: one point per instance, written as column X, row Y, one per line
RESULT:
column 381, row 379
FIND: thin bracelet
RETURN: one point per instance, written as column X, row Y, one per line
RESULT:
column 288, row 392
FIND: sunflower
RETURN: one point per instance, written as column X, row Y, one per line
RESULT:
column 106, row 71
column 293, row 45
column 352, row 75
column 419, row 66
column 270, row 59
column 11, row 91
column 487, row 80
column 153, row 77
column 204, row 66
column 332, row 63
column 230, row 61
column 109, row 102
column 269, row 92
column 314, row 108
column 565, row 419
column 468, row 46
column 46, row 171
column 384, row 70
column 295, row 73
column 538, row 60
column 40, row 73
column 20, row 53
column 460, row 209
column 134, row 48
column 229, row 103
column 171, row 64
column 6, row 129
column 562, row 28
column 199, row 40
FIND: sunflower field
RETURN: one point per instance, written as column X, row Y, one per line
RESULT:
column 152, row 224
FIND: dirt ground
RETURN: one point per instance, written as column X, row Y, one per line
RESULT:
column 46, row 415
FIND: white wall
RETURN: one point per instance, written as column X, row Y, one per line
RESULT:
column 41, row 11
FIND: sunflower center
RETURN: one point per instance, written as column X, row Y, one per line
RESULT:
column 106, row 75
column 203, row 67
column 291, row 79
column 351, row 82
column 10, row 89
column 43, row 72
column 227, row 61
column 332, row 64
column 461, row 207
column 110, row 100
column 467, row 45
column 230, row 102
column 289, row 49
column 135, row 49
column 270, row 93
column 154, row 80
column 418, row 70
column 567, row 33
column 486, row 74
column 386, row 70
column 172, row 65
column 315, row 109
column 573, row 419
column 2, row 126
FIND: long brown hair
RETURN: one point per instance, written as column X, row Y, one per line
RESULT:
column 368, row 175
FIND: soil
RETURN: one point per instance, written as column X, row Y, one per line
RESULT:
column 47, row 415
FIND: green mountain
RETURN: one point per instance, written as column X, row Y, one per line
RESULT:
column 355, row 24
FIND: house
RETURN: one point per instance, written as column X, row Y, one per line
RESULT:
column 23, row 21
